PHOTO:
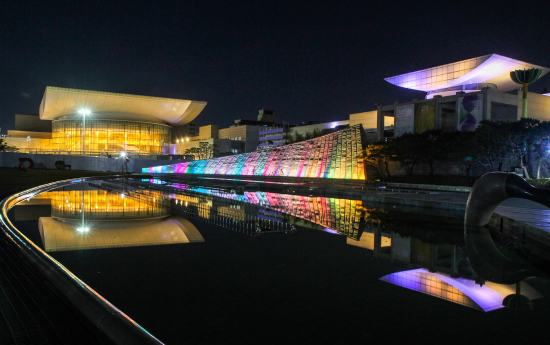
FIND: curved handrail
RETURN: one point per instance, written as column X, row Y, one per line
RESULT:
column 487, row 193
column 110, row 322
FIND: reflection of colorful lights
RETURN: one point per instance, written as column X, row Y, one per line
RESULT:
column 457, row 290
column 331, row 156
column 336, row 215
column 241, row 180
column 154, row 181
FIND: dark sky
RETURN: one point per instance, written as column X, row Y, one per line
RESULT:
column 307, row 60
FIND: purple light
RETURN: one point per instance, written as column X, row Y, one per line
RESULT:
column 457, row 290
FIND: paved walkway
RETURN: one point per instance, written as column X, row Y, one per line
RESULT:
column 29, row 312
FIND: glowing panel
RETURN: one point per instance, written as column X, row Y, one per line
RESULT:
column 330, row 156
column 457, row 290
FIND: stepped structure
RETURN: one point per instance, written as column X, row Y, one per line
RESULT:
column 330, row 156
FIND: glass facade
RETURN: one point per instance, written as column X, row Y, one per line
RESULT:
column 102, row 205
column 110, row 136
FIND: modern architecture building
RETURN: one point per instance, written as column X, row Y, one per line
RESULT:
column 461, row 94
column 116, row 122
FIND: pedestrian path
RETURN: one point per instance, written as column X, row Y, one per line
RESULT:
column 29, row 312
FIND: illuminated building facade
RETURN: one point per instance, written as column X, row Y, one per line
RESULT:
column 461, row 94
column 110, row 136
column 112, row 220
column 106, row 122
column 329, row 156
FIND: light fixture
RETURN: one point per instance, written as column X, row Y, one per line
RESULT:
column 84, row 112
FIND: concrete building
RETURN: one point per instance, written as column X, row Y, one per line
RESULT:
column 249, row 135
column 460, row 95
column 209, row 134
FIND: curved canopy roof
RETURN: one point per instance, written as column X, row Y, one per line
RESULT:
column 458, row 290
column 62, row 103
column 491, row 69
column 61, row 234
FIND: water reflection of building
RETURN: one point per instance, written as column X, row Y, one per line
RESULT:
column 62, row 234
column 440, row 266
column 457, row 290
column 102, row 205
column 278, row 211
column 91, row 219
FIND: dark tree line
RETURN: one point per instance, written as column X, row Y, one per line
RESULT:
column 492, row 145
column 297, row 137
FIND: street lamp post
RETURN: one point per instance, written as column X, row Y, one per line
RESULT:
column 84, row 112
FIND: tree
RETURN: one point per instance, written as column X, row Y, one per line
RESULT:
column 4, row 147
column 193, row 151
column 496, row 144
column 204, row 151
column 407, row 150
column 378, row 155
column 431, row 147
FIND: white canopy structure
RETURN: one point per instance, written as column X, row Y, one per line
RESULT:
column 458, row 290
column 62, row 234
column 62, row 103
column 486, row 71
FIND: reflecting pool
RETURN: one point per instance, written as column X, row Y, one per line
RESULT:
column 219, row 265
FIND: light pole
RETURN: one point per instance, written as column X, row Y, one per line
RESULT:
column 84, row 112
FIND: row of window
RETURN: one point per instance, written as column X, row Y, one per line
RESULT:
column 110, row 136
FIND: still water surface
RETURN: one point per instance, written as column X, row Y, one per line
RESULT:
column 205, row 265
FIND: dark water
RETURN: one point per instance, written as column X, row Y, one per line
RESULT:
column 193, row 265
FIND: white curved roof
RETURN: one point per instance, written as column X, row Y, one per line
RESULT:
column 458, row 290
column 60, row 235
column 493, row 69
column 59, row 103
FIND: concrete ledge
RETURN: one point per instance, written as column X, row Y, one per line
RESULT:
column 429, row 187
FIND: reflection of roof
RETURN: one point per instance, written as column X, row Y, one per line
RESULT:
column 60, row 102
column 492, row 69
column 60, row 235
column 458, row 290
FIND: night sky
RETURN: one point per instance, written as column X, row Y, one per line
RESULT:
column 307, row 60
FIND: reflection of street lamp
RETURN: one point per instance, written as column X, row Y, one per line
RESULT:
column 84, row 112
column 83, row 228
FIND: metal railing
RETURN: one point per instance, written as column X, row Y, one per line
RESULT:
column 109, row 322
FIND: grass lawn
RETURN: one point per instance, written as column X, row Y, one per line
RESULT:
column 13, row 180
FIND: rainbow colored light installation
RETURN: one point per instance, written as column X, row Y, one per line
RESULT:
column 341, row 215
column 330, row 156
